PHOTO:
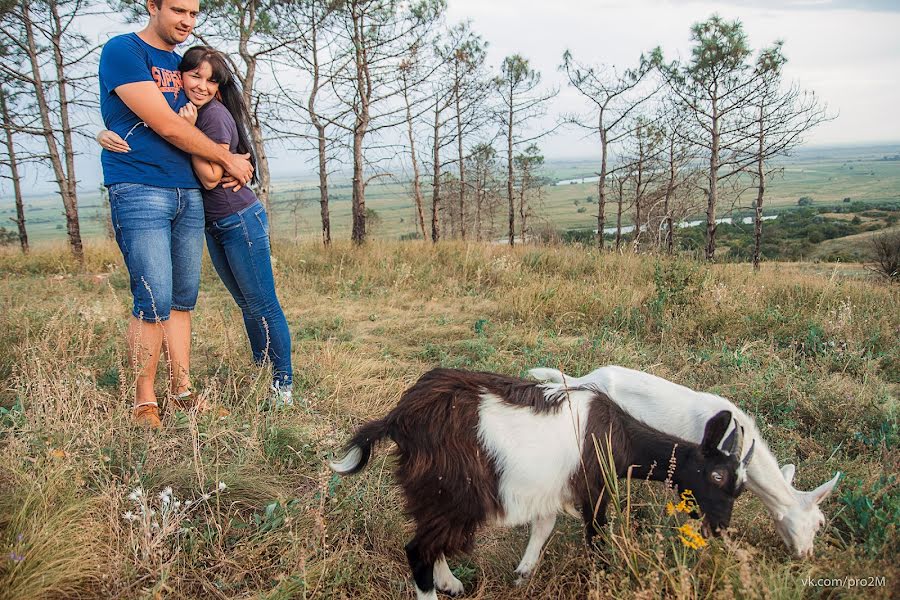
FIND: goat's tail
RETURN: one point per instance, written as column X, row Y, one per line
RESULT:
column 359, row 448
column 547, row 375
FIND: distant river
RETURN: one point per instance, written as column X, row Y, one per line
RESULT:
column 683, row 224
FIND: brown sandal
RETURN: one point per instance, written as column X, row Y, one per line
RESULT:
column 146, row 414
column 187, row 401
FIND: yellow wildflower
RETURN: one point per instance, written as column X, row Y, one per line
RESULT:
column 691, row 538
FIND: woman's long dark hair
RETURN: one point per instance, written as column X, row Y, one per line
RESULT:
column 229, row 93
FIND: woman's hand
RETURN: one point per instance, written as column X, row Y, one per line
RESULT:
column 110, row 140
column 188, row 112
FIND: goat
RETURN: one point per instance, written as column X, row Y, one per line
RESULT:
column 681, row 411
column 476, row 449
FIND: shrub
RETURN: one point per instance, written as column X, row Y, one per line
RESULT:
column 886, row 254
column 871, row 515
column 804, row 201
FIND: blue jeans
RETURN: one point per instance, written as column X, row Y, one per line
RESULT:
column 160, row 233
column 239, row 248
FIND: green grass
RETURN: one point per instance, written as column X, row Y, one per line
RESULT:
column 812, row 352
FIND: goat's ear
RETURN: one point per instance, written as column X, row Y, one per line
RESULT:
column 820, row 493
column 715, row 429
column 787, row 471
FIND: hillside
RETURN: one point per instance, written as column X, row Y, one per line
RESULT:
column 811, row 351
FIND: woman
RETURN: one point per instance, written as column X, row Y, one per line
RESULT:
column 237, row 227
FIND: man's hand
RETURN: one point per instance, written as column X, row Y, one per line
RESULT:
column 240, row 168
column 188, row 112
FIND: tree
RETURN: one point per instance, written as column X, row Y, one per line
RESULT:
column 314, row 54
column 614, row 97
column 483, row 165
column 11, row 160
column 46, row 53
column 780, row 118
column 377, row 35
column 527, row 165
column 521, row 102
column 714, row 90
column 642, row 166
column 466, row 53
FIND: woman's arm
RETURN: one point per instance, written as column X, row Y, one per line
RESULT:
column 112, row 141
column 209, row 173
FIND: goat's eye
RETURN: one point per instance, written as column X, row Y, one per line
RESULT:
column 718, row 477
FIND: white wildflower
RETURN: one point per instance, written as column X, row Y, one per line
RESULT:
column 222, row 486
column 135, row 494
column 128, row 516
column 205, row 496
column 187, row 502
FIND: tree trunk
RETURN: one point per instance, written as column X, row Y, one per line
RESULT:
column 436, row 174
column 713, row 187
column 66, row 187
column 323, row 184
column 601, row 190
column 14, row 175
column 509, row 171
column 760, row 192
column 621, row 200
column 263, row 177
column 364, row 89
column 462, row 167
column 417, row 186
column 320, row 138
column 670, row 188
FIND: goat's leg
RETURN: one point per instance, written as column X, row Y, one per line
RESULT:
column 444, row 580
column 594, row 520
column 541, row 528
column 423, row 572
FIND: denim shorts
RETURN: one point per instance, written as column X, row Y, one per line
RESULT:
column 160, row 233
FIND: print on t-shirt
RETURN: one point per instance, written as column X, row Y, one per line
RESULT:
column 168, row 82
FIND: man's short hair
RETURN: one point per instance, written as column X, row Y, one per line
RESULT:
column 158, row 3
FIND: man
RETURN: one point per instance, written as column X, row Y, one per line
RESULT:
column 155, row 201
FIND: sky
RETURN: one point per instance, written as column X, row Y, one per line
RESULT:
column 847, row 52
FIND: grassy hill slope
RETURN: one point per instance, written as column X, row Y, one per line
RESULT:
column 814, row 356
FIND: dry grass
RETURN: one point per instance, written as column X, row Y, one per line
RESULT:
column 814, row 355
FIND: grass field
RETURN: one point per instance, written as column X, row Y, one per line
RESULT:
column 826, row 175
column 811, row 350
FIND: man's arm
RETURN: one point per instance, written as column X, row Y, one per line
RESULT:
column 147, row 102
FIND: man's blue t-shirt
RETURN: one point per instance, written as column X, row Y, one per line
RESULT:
column 152, row 160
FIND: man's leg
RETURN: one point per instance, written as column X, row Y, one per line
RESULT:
column 144, row 343
column 141, row 216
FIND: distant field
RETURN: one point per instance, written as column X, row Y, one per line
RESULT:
column 826, row 175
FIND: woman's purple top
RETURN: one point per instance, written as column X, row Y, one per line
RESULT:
column 216, row 122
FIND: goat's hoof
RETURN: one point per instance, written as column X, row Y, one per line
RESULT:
column 523, row 575
column 452, row 587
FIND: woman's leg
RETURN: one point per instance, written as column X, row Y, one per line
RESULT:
column 230, row 232
column 247, row 252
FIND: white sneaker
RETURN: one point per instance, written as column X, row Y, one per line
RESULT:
column 280, row 398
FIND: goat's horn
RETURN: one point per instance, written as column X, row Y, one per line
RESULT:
column 728, row 442
column 747, row 458
column 737, row 445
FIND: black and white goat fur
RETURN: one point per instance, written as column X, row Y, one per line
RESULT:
column 476, row 449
